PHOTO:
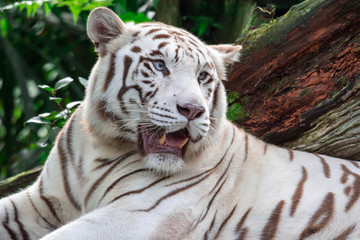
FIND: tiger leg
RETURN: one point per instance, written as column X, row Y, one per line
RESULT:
column 109, row 222
column 23, row 216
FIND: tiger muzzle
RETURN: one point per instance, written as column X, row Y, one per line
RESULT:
column 162, row 142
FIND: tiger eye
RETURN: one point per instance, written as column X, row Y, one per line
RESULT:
column 202, row 75
column 159, row 65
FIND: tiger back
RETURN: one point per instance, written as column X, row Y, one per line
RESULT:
column 149, row 154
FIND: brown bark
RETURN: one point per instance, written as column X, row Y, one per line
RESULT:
column 22, row 180
column 168, row 12
column 297, row 69
column 235, row 17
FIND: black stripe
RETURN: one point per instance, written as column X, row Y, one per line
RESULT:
column 120, row 179
column 162, row 115
column 163, row 44
column 153, row 94
column 111, row 72
column 161, row 36
column 64, row 170
column 127, row 63
column 153, row 30
column 47, row 201
column 96, row 184
column 147, row 65
column 52, row 227
column 214, row 103
column 211, row 226
column 246, row 146
column 23, row 232
column 270, row 229
column 139, row 190
column 211, row 202
column 69, row 144
column 172, row 193
column 8, row 229
column 225, row 221
column 216, row 193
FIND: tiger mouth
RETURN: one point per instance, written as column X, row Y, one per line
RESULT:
column 164, row 142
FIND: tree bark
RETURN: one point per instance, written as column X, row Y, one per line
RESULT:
column 298, row 79
column 168, row 12
column 234, row 19
column 22, row 180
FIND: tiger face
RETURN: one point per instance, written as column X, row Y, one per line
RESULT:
column 157, row 86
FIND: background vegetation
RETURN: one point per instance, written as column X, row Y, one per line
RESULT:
column 45, row 58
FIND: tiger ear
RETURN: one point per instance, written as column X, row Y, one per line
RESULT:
column 103, row 25
column 229, row 53
column 224, row 55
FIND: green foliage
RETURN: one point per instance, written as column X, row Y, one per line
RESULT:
column 202, row 25
column 77, row 6
column 55, row 120
column 236, row 110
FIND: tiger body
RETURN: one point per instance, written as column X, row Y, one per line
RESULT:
column 150, row 155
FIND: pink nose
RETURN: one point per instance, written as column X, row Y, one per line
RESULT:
column 191, row 111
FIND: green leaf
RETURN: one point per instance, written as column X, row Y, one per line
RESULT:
column 56, row 99
column 155, row 3
column 49, row 116
column 83, row 82
column 46, row 9
column 73, row 104
column 236, row 112
column 36, row 120
column 28, row 11
column 232, row 97
column 34, row 7
column 75, row 10
column 94, row 4
column 53, row 133
column 44, row 115
column 47, row 88
column 4, row 27
column 63, row 83
column 134, row 17
column 21, row 6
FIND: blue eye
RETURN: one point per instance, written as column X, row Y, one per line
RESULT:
column 202, row 75
column 159, row 65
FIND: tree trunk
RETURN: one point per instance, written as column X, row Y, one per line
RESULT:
column 235, row 17
column 297, row 83
column 13, row 184
column 168, row 12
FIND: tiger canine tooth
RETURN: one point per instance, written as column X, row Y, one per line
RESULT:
column 162, row 139
column 183, row 143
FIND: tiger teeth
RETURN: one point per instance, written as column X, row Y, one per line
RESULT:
column 162, row 139
column 183, row 143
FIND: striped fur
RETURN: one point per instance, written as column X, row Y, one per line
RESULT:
column 100, row 182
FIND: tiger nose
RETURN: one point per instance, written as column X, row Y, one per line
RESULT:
column 190, row 111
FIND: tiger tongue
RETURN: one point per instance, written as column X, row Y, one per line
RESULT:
column 176, row 139
column 172, row 143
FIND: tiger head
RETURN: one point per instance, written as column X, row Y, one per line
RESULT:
column 157, row 86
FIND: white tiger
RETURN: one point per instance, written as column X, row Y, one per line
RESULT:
column 150, row 155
